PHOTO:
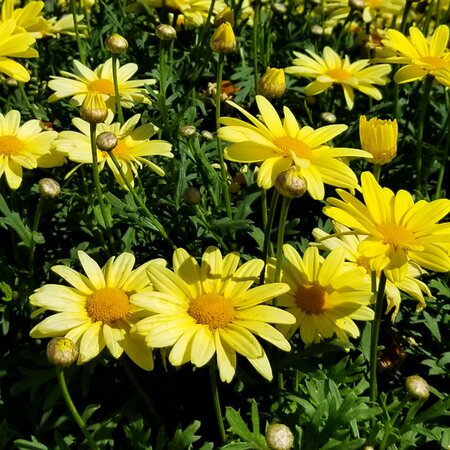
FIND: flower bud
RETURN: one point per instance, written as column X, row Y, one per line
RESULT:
column 191, row 196
column 328, row 117
column 279, row 8
column 207, row 135
column 226, row 15
column 359, row 5
column 11, row 82
column 62, row 352
column 223, row 39
column 379, row 137
column 107, row 141
column 187, row 131
column 317, row 30
column 417, row 387
column 166, row 32
column 49, row 188
column 279, row 437
column 93, row 109
column 273, row 83
column 116, row 44
column 290, row 184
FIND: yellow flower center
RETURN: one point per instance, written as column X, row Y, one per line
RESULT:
column 395, row 235
column 434, row 62
column 213, row 310
column 107, row 305
column 10, row 145
column 289, row 144
column 121, row 149
column 339, row 74
column 102, row 86
column 311, row 299
column 363, row 262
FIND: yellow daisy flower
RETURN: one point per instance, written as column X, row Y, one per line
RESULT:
column 98, row 309
column 207, row 309
column 25, row 146
column 28, row 18
column 422, row 57
column 331, row 69
column 397, row 230
column 281, row 145
column 77, row 84
column 326, row 294
column 15, row 45
column 133, row 145
column 350, row 243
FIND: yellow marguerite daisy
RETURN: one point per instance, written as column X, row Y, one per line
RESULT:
column 326, row 294
column 207, row 309
column 133, row 145
column 331, row 69
column 25, row 146
column 281, row 145
column 397, row 230
column 422, row 57
column 98, row 309
column 350, row 243
column 15, row 45
column 77, row 84
column 28, row 18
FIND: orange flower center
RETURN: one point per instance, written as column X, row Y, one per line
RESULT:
column 339, row 74
column 213, row 310
column 396, row 235
column 289, row 144
column 10, row 145
column 311, row 299
column 107, row 305
column 102, row 86
column 121, row 149
column 363, row 262
column 434, row 62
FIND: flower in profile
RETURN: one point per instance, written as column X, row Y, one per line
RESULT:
column 64, row 25
column 25, row 146
column 98, row 308
column 421, row 57
column 410, row 284
column 15, row 45
column 397, row 230
column 326, row 294
column 28, row 18
column 207, row 309
column 379, row 138
column 84, row 80
column 223, row 40
column 332, row 69
column 272, row 83
column 281, row 145
column 133, row 146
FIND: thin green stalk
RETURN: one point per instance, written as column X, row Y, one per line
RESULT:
column 376, row 172
column 280, row 238
column 25, row 98
column 86, row 16
column 255, row 42
column 406, row 10
column 223, row 169
column 73, row 409
column 444, row 162
column 207, row 225
column 162, row 101
column 153, row 220
column 390, row 425
column 77, row 31
column 37, row 218
column 264, row 207
column 116, row 89
column 216, row 400
column 374, row 337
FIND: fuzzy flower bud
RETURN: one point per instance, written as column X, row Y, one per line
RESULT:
column 62, row 352
column 107, row 141
column 166, row 32
column 116, row 44
column 279, row 437
column 187, row 131
column 223, row 39
column 328, row 117
column 191, row 196
column 379, row 137
column 417, row 387
column 49, row 188
column 273, row 83
column 226, row 15
column 290, row 184
column 207, row 135
column 93, row 109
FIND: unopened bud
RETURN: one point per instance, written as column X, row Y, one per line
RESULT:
column 107, row 141
column 93, row 109
column 187, row 131
column 417, row 387
column 226, row 15
column 62, row 352
column 279, row 437
column 116, row 44
column 279, row 8
column 311, row 100
column 273, row 83
column 290, row 184
column 11, row 82
column 191, row 196
column 223, row 39
column 166, row 32
column 207, row 135
column 328, row 117
column 317, row 30
column 49, row 188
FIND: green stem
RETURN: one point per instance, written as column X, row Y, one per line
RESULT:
column 116, row 89
column 73, row 409
column 374, row 337
column 162, row 102
column 391, row 422
column 223, row 169
column 406, row 10
column 25, row 98
column 216, row 401
column 440, row 179
column 280, row 238
column 376, row 172
column 255, row 41
column 77, row 31
column 37, row 218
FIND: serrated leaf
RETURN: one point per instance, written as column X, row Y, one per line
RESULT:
column 22, row 444
column 184, row 438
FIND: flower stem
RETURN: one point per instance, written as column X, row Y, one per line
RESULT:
column 280, row 238
column 73, row 409
column 37, row 218
column 25, row 98
column 377, row 172
column 77, row 32
column 162, row 102
column 116, row 89
column 374, row 337
column 440, row 179
column 216, row 401
column 255, row 42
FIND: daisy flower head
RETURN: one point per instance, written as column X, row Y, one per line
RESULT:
column 84, row 80
column 420, row 55
column 331, row 69
column 280, row 145
column 98, row 308
column 133, row 146
column 326, row 295
column 409, row 284
column 24, row 146
column 28, row 18
column 207, row 309
column 397, row 229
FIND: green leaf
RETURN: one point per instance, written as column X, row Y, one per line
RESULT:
column 13, row 220
column 184, row 438
column 22, row 444
column 7, row 291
